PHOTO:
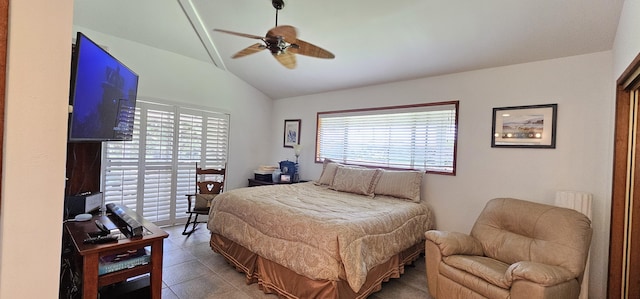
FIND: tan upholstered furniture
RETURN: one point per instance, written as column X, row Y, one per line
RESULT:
column 516, row 249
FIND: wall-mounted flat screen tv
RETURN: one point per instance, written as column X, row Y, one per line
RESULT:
column 102, row 94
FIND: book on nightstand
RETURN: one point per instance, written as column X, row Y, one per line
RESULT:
column 123, row 260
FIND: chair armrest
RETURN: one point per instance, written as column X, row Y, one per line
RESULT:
column 546, row 275
column 452, row 243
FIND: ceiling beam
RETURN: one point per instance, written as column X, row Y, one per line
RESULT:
column 202, row 32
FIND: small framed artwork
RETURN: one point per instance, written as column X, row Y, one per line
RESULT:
column 291, row 132
column 285, row 178
column 524, row 126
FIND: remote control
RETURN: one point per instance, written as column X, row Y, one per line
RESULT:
column 101, row 239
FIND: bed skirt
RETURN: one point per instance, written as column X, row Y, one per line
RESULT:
column 274, row 278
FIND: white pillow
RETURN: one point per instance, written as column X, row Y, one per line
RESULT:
column 400, row 184
column 328, row 172
column 356, row 180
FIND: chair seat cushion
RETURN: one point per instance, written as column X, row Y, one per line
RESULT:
column 203, row 202
column 488, row 269
column 455, row 283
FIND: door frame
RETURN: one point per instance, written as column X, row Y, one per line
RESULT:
column 4, row 29
column 624, row 201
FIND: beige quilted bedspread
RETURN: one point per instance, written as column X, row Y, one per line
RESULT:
column 318, row 232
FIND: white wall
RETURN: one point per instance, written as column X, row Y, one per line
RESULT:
column 34, row 148
column 627, row 44
column 176, row 78
column 584, row 92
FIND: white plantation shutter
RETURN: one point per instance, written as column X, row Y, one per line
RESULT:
column 215, row 149
column 157, row 194
column 203, row 139
column 120, row 164
column 158, row 162
column 189, row 152
column 405, row 137
column 156, row 179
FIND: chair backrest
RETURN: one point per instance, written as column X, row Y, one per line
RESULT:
column 210, row 181
column 513, row 230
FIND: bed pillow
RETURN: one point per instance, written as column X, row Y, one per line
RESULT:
column 400, row 184
column 328, row 172
column 356, row 180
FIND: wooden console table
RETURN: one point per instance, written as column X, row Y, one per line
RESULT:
column 91, row 253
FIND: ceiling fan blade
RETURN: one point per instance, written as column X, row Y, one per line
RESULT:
column 283, row 43
column 287, row 59
column 289, row 33
column 239, row 34
column 308, row 49
column 249, row 50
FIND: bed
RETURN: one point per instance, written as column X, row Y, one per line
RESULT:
column 338, row 237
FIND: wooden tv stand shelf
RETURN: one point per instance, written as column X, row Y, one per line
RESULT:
column 91, row 253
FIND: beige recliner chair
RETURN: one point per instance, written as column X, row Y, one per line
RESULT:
column 516, row 249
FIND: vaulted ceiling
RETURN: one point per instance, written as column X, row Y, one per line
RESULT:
column 374, row 41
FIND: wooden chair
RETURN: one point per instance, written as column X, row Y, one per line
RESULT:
column 209, row 183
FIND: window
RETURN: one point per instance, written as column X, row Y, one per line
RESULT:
column 153, row 172
column 404, row 137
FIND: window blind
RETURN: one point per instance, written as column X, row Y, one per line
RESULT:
column 405, row 137
column 154, row 172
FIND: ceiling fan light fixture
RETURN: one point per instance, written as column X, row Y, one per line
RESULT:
column 277, row 46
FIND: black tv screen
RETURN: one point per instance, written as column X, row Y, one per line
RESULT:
column 103, row 94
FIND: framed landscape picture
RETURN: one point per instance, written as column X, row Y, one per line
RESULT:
column 291, row 132
column 524, row 126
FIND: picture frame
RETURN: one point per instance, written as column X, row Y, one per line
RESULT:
column 285, row 178
column 291, row 132
column 532, row 126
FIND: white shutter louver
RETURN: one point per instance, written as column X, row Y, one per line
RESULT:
column 216, row 148
column 120, row 170
column 157, row 194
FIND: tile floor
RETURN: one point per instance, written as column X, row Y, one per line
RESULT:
column 191, row 270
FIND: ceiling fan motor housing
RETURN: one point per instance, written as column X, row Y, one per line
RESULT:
column 277, row 45
column 277, row 4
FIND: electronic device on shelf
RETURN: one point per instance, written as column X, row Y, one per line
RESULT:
column 126, row 220
column 82, row 217
column 84, row 203
column 103, row 229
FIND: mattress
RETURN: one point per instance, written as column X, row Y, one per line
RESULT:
column 317, row 232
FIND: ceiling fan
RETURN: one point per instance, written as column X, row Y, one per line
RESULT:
column 282, row 42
